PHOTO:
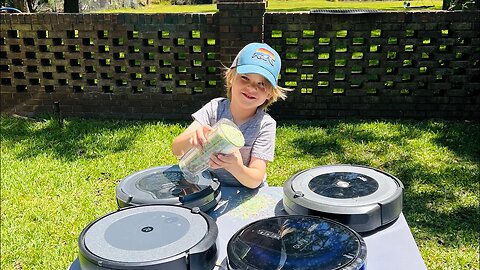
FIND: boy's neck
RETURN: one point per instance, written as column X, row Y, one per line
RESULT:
column 241, row 115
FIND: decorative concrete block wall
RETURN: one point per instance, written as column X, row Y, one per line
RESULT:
column 104, row 65
column 388, row 64
column 166, row 66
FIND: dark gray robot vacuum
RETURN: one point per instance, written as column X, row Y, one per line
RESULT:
column 160, row 237
column 360, row 197
column 296, row 242
column 168, row 185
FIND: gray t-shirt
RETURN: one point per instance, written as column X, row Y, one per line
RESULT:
column 259, row 132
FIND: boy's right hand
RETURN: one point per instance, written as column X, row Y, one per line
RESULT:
column 199, row 137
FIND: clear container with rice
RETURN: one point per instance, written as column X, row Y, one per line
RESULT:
column 225, row 137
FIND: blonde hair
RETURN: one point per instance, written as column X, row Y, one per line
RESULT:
column 276, row 92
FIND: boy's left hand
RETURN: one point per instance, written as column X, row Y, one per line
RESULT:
column 227, row 161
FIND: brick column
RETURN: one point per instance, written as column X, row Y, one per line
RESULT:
column 239, row 23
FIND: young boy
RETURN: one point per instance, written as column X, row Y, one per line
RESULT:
column 251, row 88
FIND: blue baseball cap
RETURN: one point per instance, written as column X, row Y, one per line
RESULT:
column 259, row 58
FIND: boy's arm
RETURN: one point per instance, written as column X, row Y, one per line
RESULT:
column 194, row 136
column 251, row 176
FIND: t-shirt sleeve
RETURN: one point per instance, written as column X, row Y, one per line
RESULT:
column 264, row 145
column 207, row 114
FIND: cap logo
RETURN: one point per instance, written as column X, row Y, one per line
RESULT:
column 264, row 55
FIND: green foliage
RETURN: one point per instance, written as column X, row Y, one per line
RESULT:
column 54, row 181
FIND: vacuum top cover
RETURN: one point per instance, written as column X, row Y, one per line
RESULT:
column 296, row 242
column 145, row 233
column 167, row 184
column 344, row 185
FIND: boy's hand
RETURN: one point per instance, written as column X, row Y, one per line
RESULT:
column 199, row 137
column 229, row 162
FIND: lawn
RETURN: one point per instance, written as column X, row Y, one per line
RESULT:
column 54, row 181
column 287, row 5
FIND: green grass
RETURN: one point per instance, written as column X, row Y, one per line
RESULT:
column 54, row 181
column 286, row 5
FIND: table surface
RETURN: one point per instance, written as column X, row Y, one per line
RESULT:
column 391, row 247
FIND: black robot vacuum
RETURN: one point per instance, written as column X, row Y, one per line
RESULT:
column 360, row 197
column 160, row 237
column 168, row 185
column 296, row 242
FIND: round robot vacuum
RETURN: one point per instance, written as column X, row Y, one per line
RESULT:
column 296, row 242
column 360, row 197
column 168, row 185
column 150, row 237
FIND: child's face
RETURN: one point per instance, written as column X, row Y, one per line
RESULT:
column 250, row 90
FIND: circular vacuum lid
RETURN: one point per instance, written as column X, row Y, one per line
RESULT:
column 167, row 185
column 360, row 197
column 157, row 236
column 296, row 242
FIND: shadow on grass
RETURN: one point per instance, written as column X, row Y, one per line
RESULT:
column 439, row 209
column 438, row 194
column 78, row 138
column 459, row 138
column 67, row 143
column 453, row 228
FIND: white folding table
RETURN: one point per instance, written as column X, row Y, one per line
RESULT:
column 392, row 247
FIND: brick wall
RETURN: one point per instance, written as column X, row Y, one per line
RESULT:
column 376, row 65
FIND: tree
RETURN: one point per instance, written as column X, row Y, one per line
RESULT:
column 28, row 6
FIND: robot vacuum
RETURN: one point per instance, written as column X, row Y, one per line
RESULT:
column 360, row 197
column 168, row 185
column 150, row 237
column 296, row 242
